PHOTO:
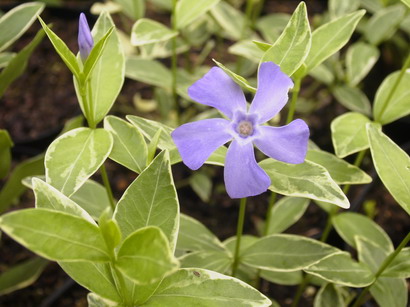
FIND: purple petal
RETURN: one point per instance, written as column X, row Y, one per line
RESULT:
column 272, row 93
column 243, row 176
column 85, row 39
column 198, row 140
column 287, row 143
column 216, row 89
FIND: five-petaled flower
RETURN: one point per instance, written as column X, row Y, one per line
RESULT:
column 197, row 140
column 85, row 39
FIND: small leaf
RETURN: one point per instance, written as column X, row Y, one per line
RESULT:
column 329, row 294
column 392, row 165
column 308, row 180
column 241, row 81
column 146, row 31
column 153, row 144
column 110, row 230
column 187, row 287
column 290, row 253
column 55, row 235
column 247, row 49
column 148, row 71
column 129, row 147
column 348, row 225
column 389, row 108
column 134, row 9
column 292, row 47
column 187, row 11
column 339, row 8
column 360, row 59
column 282, row 278
column 76, row 155
column 145, row 256
column 330, row 37
column 353, row 99
column 349, row 133
column 341, row 171
column 230, row 19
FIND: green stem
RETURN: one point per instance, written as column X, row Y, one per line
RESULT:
column 300, row 291
column 107, row 186
column 257, row 11
column 174, row 60
column 393, row 89
column 120, row 284
column 272, row 201
column 239, row 230
column 379, row 272
column 295, row 94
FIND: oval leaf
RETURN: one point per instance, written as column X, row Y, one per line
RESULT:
column 360, row 59
column 146, row 31
column 187, row 11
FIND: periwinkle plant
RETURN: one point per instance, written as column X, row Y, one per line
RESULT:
column 140, row 250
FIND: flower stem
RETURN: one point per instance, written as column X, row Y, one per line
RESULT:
column 272, row 201
column 383, row 266
column 174, row 60
column 395, row 85
column 295, row 94
column 239, row 230
column 107, row 186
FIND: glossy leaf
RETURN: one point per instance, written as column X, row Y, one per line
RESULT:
column 21, row 275
column 187, row 11
column 187, row 287
column 341, row 171
column 145, row 256
column 5, row 154
column 230, row 19
column 308, row 180
column 329, row 295
column 292, row 47
column 360, row 59
column 290, row 252
column 55, row 235
column 146, row 31
column 285, row 213
column 387, row 110
column 76, row 155
column 341, row 269
column 349, row 133
column 129, row 147
column 194, row 236
column 17, row 21
column 241, row 81
column 330, row 37
column 392, row 165
column 348, row 225
column 151, row 200
column 353, row 99
column 218, row 261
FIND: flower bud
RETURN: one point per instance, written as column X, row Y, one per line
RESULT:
column 85, row 39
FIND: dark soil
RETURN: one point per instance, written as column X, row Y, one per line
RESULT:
column 36, row 106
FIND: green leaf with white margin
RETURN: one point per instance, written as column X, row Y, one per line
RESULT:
column 151, row 200
column 387, row 110
column 282, row 278
column 194, row 236
column 290, row 252
column 5, row 154
column 18, row 63
column 349, row 133
column 241, row 81
column 149, row 127
column 76, row 155
column 360, row 59
column 187, row 287
column 392, row 165
column 129, row 149
column 201, row 183
column 55, row 235
column 384, row 23
column 330, row 37
column 94, row 300
column 145, row 256
column 107, row 76
column 135, row 9
column 292, row 47
column 343, row 270
column 341, row 171
column 218, row 261
column 329, row 295
column 21, row 275
column 406, row 2
column 187, row 11
column 352, row 98
column 66, row 55
column 400, row 266
column 272, row 25
column 47, row 197
column 285, row 213
column 147, row 31
column 349, row 224
column 339, row 8
column 17, row 21
column 94, row 276
column 230, row 19
column 308, row 180
column 247, row 49
column 148, row 71
column 386, row 291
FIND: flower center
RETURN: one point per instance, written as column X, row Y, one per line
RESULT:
column 244, row 128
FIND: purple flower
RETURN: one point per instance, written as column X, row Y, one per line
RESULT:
column 243, row 176
column 85, row 39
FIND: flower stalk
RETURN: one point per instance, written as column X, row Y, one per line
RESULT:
column 239, row 231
